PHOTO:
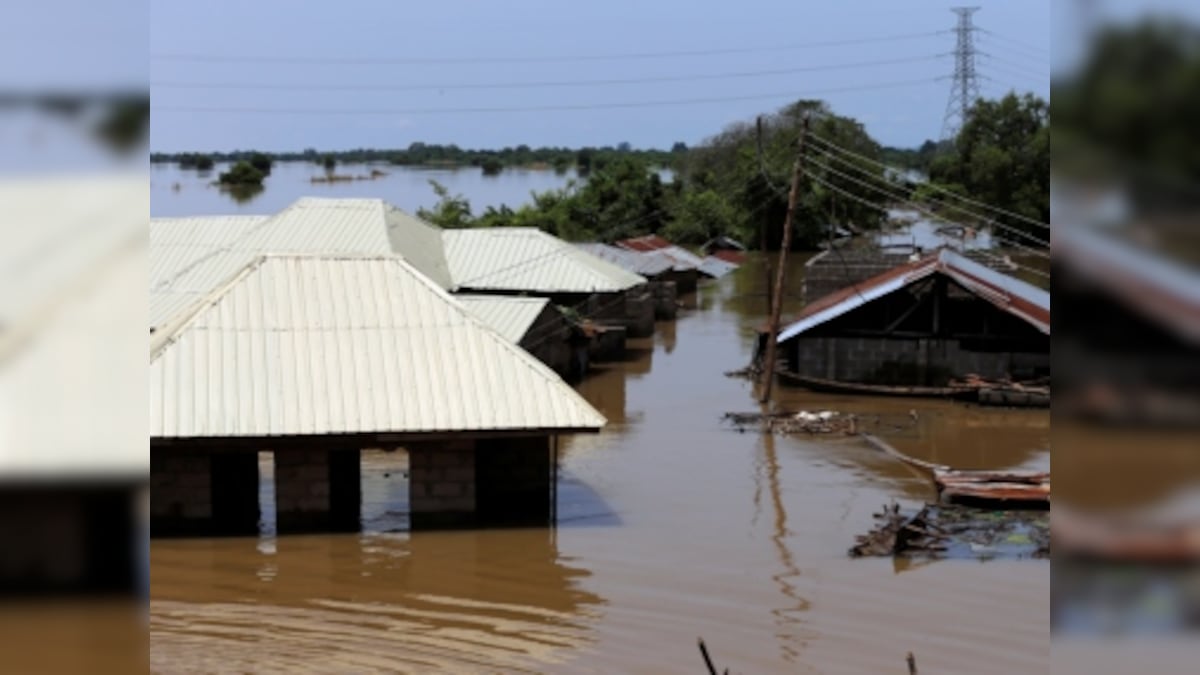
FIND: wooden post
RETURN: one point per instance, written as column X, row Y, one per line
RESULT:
column 777, row 297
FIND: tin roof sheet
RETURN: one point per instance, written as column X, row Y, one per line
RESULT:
column 509, row 316
column 312, row 345
column 527, row 259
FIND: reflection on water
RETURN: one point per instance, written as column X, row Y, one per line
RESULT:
column 436, row 600
column 673, row 526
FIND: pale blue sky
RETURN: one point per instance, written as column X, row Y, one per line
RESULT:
column 377, row 44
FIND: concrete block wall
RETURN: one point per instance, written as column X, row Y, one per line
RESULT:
column 639, row 313
column 442, row 484
column 515, row 481
column 666, row 299
column 898, row 361
column 180, row 485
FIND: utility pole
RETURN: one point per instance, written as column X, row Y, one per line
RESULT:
column 964, row 90
column 777, row 297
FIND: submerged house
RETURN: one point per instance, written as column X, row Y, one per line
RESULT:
column 527, row 261
column 921, row 324
column 533, row 324
column 314, row 358
column 657, row 267
column 191, row 256
column 713, row 266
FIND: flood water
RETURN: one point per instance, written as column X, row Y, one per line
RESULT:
column 188, row 192
column 672, row 527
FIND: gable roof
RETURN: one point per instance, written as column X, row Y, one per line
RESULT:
column 1166, row 291
column 508, row 315
column 1012, row 295
column 527, row 259
column 312, row 345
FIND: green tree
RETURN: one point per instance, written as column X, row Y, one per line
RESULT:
column 451, row 211
column 204, row 162
column 1001, row 157
column 242, row 173
column 329, row 162
column 261, row 161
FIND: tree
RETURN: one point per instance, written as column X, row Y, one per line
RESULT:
column 242, row 173
column 261, row 162
column 329, row 162
column 1001, row 157
column 451, row 211
column 491, row 166
column 204, row 162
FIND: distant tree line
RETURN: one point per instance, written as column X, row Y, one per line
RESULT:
column 425, row 154
column 726, row 186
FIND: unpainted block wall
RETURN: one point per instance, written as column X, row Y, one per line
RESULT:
column 442, row 484
column 897, row 361
column 180, row 485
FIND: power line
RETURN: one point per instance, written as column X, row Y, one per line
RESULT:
column 317, row 60
column 826, row 145
column 903, row 199
column 271, row 86
column 792, row 95
column 1019, row 43
column 884, row 209
column 1015, row 66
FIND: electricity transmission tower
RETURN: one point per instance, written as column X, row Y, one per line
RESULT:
column 964, row 90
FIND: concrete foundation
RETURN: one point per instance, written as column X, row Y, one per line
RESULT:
column 184, row 499
column 317, row 491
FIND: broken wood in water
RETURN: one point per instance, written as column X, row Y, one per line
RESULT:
column 953, row 531
column 995, row 489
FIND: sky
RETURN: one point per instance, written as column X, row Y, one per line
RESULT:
column 278, row 75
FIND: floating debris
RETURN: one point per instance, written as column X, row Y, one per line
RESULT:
column 803, row 421
column 953, row 531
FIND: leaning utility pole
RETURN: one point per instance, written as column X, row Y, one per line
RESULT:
column 777, row 297
column 964, row 90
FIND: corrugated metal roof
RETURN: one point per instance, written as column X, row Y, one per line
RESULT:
column 73, row 268
column 645, row 263
column 1008, row 293
column 509, row 316
column 1166, row 291
column 715, row 267
column 683, row 258
column 191, row 256
column 305, row 345
column 527, row 259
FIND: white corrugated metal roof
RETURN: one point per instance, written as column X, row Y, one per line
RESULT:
column 1009, row 293
column 191, row 256
column 74, row 268
column 509, row 316
column 527, row 259
column 715, row 267
column 645, row 263
column 304, row 345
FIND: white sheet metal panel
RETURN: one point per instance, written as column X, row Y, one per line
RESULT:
column 715, row 267
column 509, row 316
column 192, row 256
column 527, row 259
column 308, row 345
column 645, row 263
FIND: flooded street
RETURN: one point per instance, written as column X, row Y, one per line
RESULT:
column 672, row 526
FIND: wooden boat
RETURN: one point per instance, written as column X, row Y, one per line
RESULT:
column 840, row 387
column 982, row 488
column 999, row 395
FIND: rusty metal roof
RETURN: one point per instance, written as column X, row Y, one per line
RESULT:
column 683, row 258
column 1012, row 295
column 1167, row 292
column 311, row 345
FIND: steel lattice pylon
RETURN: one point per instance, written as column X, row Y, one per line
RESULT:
column 964, row 90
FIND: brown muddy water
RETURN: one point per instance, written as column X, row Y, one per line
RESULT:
column 672, row 527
